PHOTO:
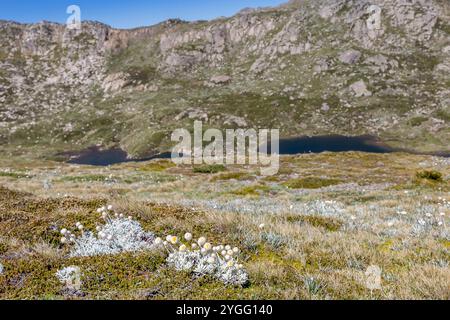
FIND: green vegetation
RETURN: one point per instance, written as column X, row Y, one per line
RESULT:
column 310, row 183
column 88, row 178
column 417, row 121
column 316, row 245
column 158, row 166
column 329, row 224
column 255, row 190
column 15, row 175
column 209, row 169
column 429, row 175
column 232, row 176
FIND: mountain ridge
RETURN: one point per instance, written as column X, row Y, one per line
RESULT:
column 306, row 67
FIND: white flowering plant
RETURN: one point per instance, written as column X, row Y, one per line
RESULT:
column 123, row 234
column 202, row 258
column 118, row 234
column 70, row 277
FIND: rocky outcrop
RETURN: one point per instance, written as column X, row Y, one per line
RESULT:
column 313, row 61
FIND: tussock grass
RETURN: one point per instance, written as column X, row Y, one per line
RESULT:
column 430, row 175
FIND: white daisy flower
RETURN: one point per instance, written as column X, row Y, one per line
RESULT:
column 201, row 242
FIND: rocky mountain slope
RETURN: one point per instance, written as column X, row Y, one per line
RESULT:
column 308, row 67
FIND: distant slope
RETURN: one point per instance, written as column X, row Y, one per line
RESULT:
column 307, row 67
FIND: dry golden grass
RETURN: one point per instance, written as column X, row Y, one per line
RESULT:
column 303, row 238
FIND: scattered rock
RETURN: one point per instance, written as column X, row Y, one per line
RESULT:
column 192, row 114
column 233, row 120
column 321, row 66
column 359, row 88
column 114, row 82
column 350, row 57
column 325, row 107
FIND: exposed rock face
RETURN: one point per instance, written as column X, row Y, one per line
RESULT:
column 266, row 67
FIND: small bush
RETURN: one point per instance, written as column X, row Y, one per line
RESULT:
column 119, row 234
column 429, row 175
column 312, row 286
column 211, row 169
column 275, row 240
column 202, row 258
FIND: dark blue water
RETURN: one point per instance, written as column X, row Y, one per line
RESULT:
column 333, row 144
column 96, row 157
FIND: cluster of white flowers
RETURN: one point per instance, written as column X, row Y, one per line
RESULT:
column 123, row 234
column 428, row 215
column 118, row 234
column 1, row 268
column 202, row 258
column 444, row 206
column 70, row 277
